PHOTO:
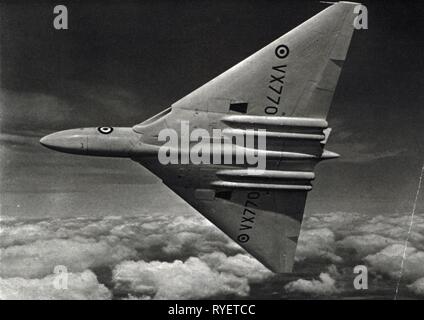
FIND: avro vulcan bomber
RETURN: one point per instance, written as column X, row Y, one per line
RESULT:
column 200, row 146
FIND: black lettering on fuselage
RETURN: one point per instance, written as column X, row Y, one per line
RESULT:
column 276, row 85
column 248, row 216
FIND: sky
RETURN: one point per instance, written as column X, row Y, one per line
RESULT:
column 121, row 62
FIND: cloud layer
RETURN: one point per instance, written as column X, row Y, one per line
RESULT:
column 80, row 286
column 350, row 239
column 324, row 286
column 149, row 256
column 162, row 256
column 190, row 279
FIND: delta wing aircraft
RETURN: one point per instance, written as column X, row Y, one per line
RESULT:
column 286, row 89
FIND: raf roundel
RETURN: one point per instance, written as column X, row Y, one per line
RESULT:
column 105, row 130
column 282, row 51
column 243, row 238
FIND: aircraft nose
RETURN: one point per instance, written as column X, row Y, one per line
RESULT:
column 47, row 141
column 69, row 141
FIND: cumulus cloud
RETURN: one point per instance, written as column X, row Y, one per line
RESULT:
column 80, row 286
column 39, row 258
column 188, row 245
column 366, row 244
column 417, row 287
column 31, row 249
column 325, row 235
column 350, row 239
column 20, row 234
column 205, row 276
column 326, row 285
column 317, row 244
column 241, row 265
column 192, row 279
column 395, row 227
column 388, row 261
